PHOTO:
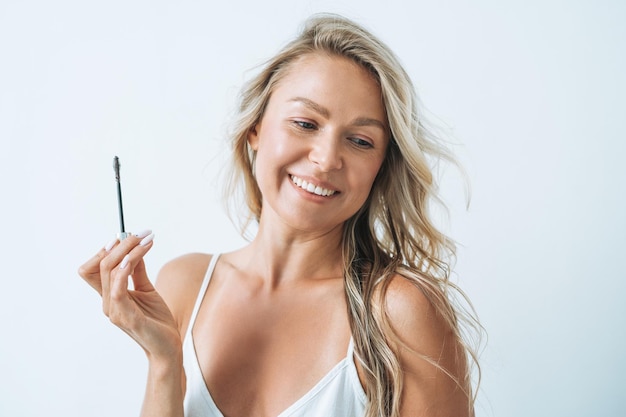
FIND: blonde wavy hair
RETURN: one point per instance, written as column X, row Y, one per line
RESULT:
column 393, row 232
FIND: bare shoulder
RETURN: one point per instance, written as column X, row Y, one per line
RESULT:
column 432, row 357
column 178, row 283
column 413, row 316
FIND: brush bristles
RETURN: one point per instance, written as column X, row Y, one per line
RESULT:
column 116, row 167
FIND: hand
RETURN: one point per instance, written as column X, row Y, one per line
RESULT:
column 140, row 312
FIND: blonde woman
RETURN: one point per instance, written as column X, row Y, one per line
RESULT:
column 340, row 304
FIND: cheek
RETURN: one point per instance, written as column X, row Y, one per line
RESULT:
column 271, row 155
column 368, row 172
column 274, row 154
column 367, row 176
column 363, row 181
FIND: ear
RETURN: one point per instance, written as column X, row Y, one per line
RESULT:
column 253, row 136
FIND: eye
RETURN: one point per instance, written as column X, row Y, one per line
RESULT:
column 303, row 124
column 361, row 143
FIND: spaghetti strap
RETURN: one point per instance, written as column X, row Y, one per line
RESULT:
column 203, row 288
column 350, row 348
column 338, row 393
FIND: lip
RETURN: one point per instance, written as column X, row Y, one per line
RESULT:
column 325, row 186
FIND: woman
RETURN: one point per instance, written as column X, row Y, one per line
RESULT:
column 340, row 305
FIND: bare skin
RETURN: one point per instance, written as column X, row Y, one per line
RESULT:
column 274, row 319
column 142, row 314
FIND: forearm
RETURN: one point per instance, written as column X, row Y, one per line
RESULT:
column 164, row 392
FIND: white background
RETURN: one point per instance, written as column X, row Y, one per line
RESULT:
column 532, row 91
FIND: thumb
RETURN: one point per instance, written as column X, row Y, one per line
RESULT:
column 141, row 282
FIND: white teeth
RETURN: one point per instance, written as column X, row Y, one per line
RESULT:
column 317, row 190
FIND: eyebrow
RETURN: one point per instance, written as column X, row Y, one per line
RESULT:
column 361, row 121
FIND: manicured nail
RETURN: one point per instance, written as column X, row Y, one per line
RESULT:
column 110, row 245
column 124, row 262
column 147, row 239
column 143, row 233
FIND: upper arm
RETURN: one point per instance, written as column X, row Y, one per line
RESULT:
column 431, row 356
column 178, row 283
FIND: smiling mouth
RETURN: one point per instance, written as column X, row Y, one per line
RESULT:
column 311, row 188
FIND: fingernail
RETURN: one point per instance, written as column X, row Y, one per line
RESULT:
column 124, row 262
column 143, row 233
column 110, row 245
column 147, row 239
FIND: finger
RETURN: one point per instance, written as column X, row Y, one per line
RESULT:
column 131, row 265
column 125, row 256
column 125, row 246
column 141, row 282
column 122, row 311
column 113, row 259
column 90, row 270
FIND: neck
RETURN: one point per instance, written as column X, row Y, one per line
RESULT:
column 280, row 254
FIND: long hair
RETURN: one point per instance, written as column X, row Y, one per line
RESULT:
column 393, row 233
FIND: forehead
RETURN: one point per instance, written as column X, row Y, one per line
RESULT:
column 332, row 81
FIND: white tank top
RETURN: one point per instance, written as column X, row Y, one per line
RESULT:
column 338, row 393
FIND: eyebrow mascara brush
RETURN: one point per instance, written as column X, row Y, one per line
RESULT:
column 116, row 166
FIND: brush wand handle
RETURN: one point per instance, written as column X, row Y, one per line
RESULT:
column 119, row 203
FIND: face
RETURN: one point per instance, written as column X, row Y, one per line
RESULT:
column 320, row 143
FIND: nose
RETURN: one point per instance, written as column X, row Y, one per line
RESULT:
column 325, row 153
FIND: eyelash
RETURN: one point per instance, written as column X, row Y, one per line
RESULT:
column 361, row 143
column 358, row 142
column 302, row 124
